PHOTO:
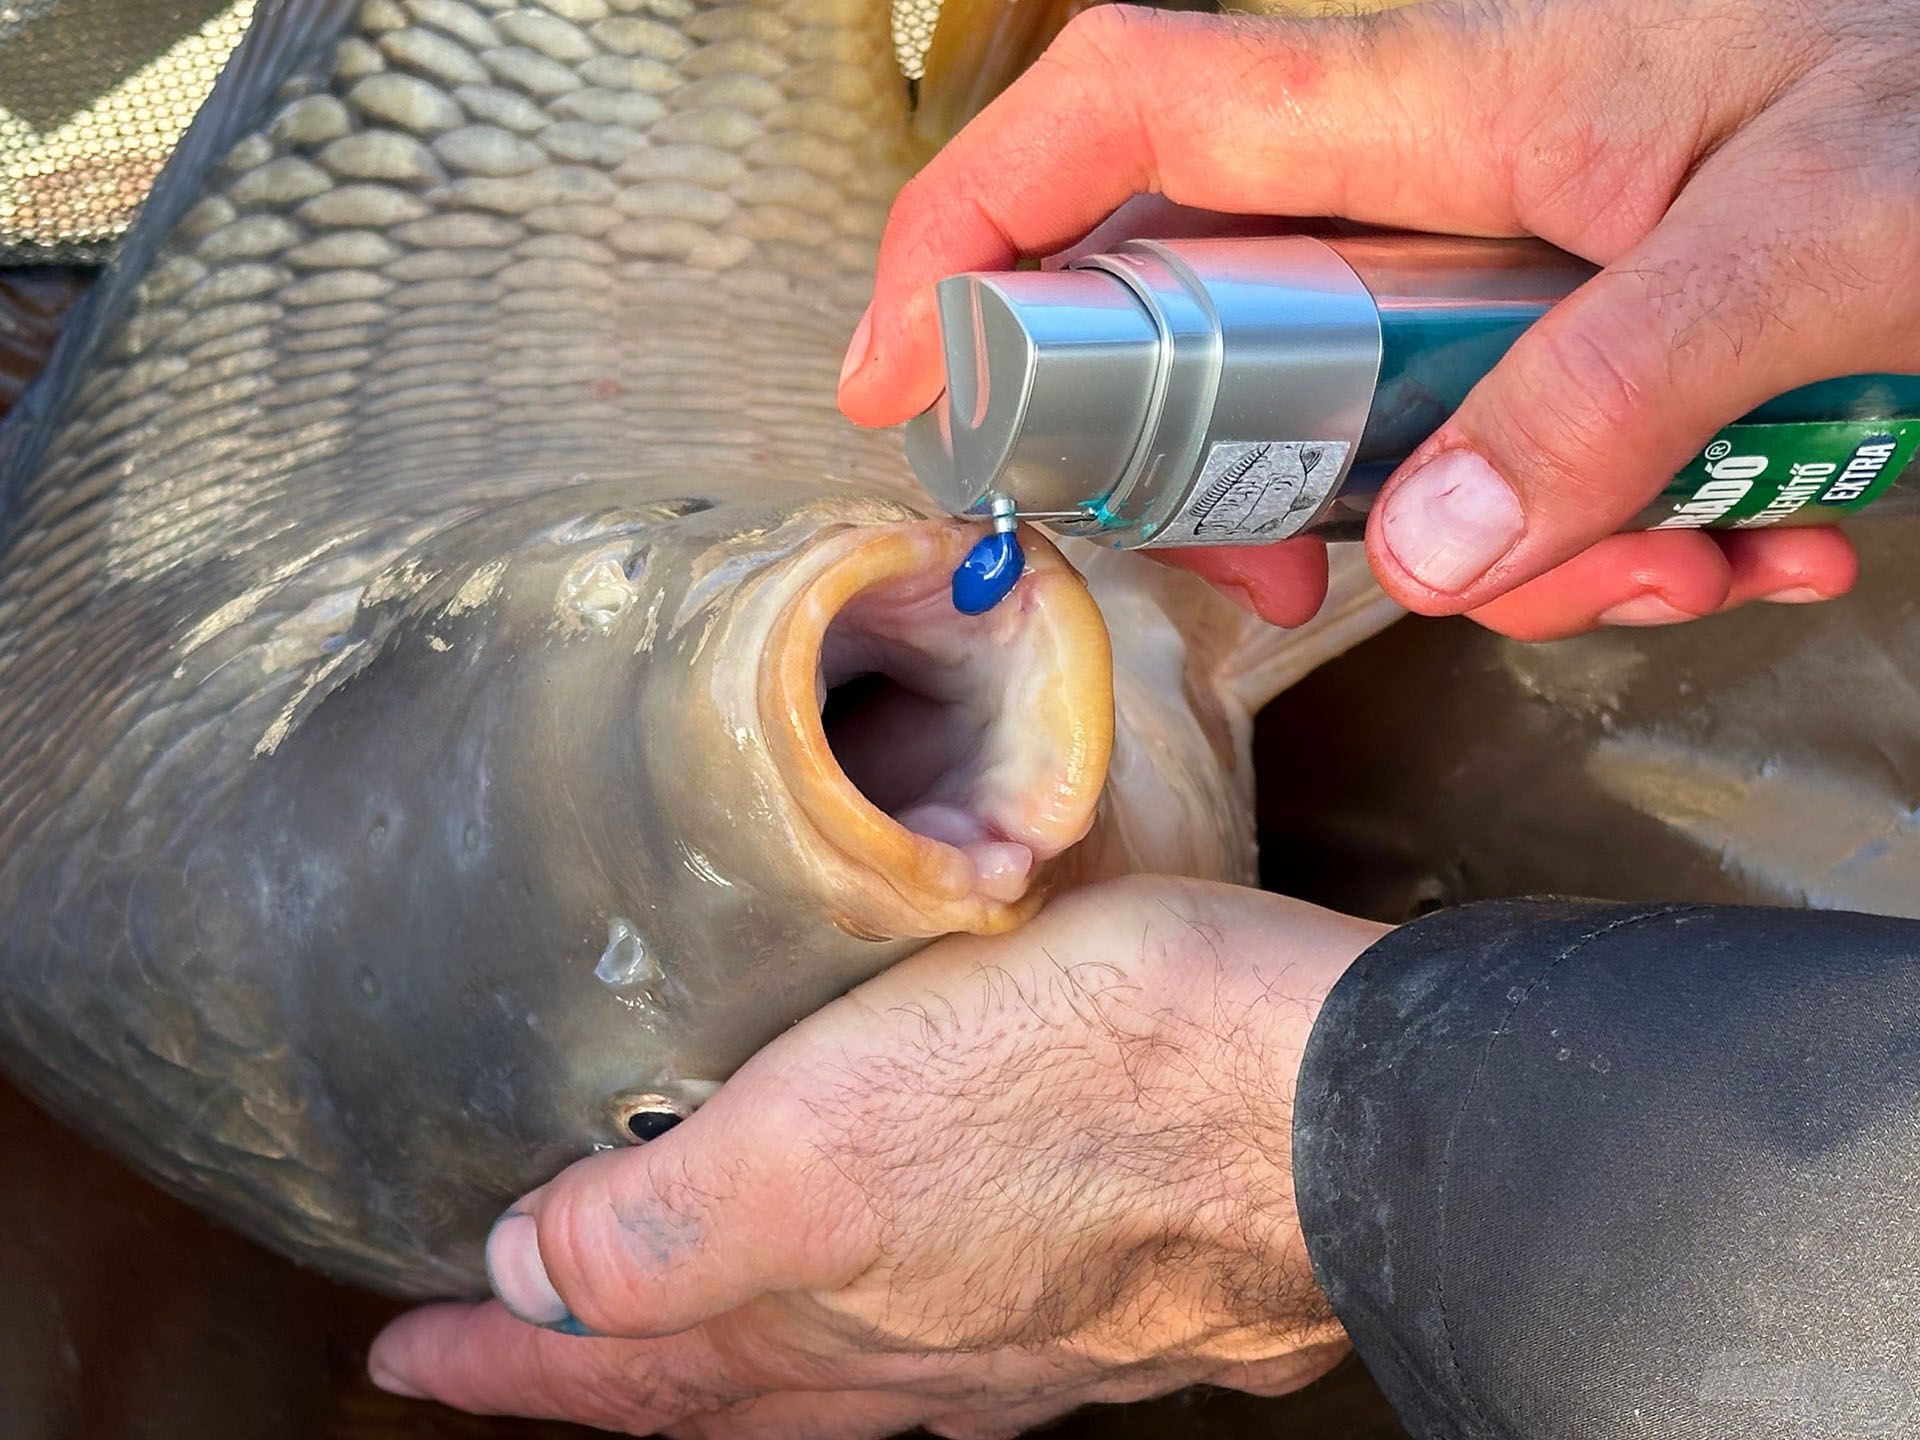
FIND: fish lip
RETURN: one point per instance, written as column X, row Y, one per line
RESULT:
column 925, row 886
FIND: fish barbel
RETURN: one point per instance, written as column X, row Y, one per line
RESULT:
column 463, row 687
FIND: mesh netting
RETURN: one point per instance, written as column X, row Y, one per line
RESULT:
column 913, row 33
column 94, row 94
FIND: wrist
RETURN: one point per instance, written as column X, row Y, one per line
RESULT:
column 1246, row 974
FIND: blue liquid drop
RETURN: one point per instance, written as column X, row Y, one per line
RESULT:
column 988, row 574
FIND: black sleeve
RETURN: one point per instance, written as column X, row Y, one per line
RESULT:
column 1571, row 1169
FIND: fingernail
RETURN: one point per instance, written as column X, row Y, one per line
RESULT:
column 1644, row 610
column 1450, row 520
column 391, row 1383
column 857, row 346
column 1797, row 595
column 519, row 1276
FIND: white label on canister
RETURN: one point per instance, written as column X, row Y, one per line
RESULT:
column 1254, row 492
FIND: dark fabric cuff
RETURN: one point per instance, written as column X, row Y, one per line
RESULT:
column 1568, row 1168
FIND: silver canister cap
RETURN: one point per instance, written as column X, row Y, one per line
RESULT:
column 1168, row 392
column 1048, row 378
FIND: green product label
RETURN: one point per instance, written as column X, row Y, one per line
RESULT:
column 1799, row 474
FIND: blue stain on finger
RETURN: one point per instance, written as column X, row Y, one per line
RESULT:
column 518, row 1276
column 989, row 573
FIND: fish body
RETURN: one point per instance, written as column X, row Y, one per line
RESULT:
column 462, row 685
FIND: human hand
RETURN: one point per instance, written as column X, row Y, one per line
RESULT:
column 1008, row 1177
column 1749, row 176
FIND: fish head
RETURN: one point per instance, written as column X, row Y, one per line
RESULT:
column 617, row 785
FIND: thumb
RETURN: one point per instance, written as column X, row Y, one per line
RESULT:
column 733, row 1203
column 1611, row 393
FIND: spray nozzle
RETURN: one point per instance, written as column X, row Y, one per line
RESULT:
column 993, row 566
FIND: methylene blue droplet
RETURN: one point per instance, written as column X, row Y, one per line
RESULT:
column 988, row 573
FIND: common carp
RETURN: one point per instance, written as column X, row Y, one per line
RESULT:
column 463, row 688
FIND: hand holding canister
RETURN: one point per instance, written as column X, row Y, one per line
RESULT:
column 1246, row 391
column 1743, row 179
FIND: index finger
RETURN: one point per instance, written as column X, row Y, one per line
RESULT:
column 1377, row 118
column 481, row 1359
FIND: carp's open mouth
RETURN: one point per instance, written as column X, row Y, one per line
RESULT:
column 952, row 756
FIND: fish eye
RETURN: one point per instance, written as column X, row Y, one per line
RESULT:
column 646, row 1125
column 646, row 1116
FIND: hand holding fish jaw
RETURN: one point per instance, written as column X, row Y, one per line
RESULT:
column 1747, row 176
column 1006, row 1178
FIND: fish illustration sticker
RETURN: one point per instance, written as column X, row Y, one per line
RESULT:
column 1249, row 492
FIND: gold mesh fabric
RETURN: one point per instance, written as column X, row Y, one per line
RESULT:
column 913, row 22
column 94, row 95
